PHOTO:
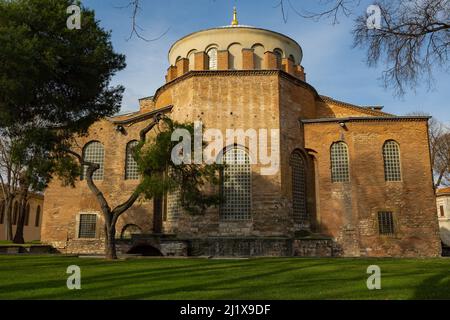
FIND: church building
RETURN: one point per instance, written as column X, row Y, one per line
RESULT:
column 352, row 181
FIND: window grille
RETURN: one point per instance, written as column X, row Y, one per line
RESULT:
column 298, row 187
column 88, row 225
column 131, row 166
column 174, row 208
column 339, row 162
column 391, row 154
column 386, row 223
column 94, row 152
column 236, row 186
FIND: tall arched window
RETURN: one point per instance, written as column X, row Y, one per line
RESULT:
column 37, row 221
column 94, row 152
column 258, row 56
column 15, row 213
column 236, row 185
column 391, row 155
column 212, row 54
column 191, row 58
column 339, row 162
column 279, row 56
column 131, row 166
column 2, row 212
column 298, row 187
column 27, row 215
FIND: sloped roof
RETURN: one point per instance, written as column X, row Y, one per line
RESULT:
column 355, row 107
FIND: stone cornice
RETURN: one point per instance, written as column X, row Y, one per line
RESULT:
column 235, row 73
column 366, row 119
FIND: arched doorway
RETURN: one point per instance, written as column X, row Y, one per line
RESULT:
column 129, row 230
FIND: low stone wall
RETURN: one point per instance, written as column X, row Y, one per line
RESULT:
column 170, row 245
column 315, row 248
column 86, row 247
column 241, row 247
column 34, row 249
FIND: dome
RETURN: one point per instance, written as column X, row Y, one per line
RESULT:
column 235, row 47
column 236, row 37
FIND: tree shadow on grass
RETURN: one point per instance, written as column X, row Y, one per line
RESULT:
column 436, row 287
column 206, row 277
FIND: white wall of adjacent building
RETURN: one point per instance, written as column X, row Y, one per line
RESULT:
column 443, row 209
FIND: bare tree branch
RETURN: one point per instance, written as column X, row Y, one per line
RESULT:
column 413, row 40
column 135, row 6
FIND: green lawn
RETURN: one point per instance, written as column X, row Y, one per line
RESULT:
column 44, row 277
column 4, row 243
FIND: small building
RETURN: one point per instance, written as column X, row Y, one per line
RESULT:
column 443, row 206
column 33, row 218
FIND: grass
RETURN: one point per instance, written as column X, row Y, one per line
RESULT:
column 44, row 277
column 4, row 243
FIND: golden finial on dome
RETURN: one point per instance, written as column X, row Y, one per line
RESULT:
column 235, row 21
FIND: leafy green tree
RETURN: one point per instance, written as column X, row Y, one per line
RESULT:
column 54, row 84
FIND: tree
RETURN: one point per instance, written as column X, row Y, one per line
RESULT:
column 440, row 152
column 159, row 175
column 54, row 84
column 439, row 135
column 413, row 39
column 9, row 182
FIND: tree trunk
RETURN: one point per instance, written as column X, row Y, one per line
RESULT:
column 8, row 218
column 18, row 238
column 110, row 242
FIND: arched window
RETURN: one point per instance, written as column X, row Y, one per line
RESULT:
column 191, row 58
column 37, row 221
column 131, row 166
column 2, row 212
column 298, row 187
column 279, row 56
column 339, row 162
column 94, row 152
column 236, row 185
column 291, row 57
column 258, row 50
column 15, row 213
column 212, row 54
column 391, row 155
column 27, row 215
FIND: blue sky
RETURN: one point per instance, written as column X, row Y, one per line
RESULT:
column 333, row 67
